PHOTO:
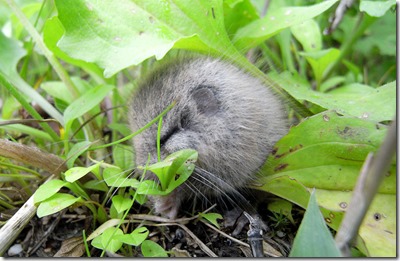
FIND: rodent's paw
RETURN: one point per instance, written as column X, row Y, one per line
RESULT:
column 167, row 206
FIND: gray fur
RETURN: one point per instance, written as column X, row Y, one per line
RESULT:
column 228, row 116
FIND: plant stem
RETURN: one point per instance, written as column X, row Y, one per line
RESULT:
column 159, row 139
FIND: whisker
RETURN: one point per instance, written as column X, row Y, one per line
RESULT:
column 208, row 178
column 198, row 194
column 208, row 183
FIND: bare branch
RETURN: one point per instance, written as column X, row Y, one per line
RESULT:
column 32, row 156
column 368, row 182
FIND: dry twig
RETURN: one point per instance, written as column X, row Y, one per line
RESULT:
column 371, row 176
column 34, row 157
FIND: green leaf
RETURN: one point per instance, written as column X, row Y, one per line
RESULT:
column 11, row 52
column 308, row 34
column 238, row 14
column 73, row 174
column 150, row 187
column 141, row 199
column 106, row 241
column 102, row 215
column 123, row 156
column 86, row 102
column 52, row 33
column 48, row 189
column 331, row 83
column 77, row 150
column 152, row 249
column 212, row 218
column 375, row 104
column 321, row 60
column 326, row 152
column 116, row 177
column 103, row 227
column 58, row 90
column 377, row 233
column 32, row 132
column 121, row 203
column 145, row 28
column 376, row 8
column 381, row 34
column 96, row 185
column 281, row 206
column 136, row 237
column 55, row 203
column 275, row 21
column 313, row 239
column 10, row 105
column 178, row 163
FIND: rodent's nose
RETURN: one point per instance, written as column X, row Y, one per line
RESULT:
column 181, row 140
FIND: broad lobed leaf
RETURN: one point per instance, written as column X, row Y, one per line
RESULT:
column 326, row 152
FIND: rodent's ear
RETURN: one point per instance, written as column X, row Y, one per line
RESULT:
column 206, row 101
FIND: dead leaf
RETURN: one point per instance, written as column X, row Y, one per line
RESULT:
column 71, row 247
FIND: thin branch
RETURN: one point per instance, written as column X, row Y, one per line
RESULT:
column 371, row 176
column 338, row 16
column 14, row 226
column 32, row 156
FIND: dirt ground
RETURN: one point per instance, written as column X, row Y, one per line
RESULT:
column 61, row 235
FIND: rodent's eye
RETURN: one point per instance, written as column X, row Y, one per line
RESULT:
column 181, row 125
column 184, row 120
column 168, row 135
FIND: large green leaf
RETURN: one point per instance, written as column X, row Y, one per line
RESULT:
column 362, row 101
column 52, row 32
column 326, row 152
column 238, row 14
column 118, row 34
column 275, row 21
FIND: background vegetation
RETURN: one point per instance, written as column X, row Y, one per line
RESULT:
column 71, row 68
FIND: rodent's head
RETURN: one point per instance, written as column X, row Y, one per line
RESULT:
column 228, row 116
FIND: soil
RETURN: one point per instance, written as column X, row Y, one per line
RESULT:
column 60, row 235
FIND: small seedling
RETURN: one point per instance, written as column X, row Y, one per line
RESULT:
column 171, row 172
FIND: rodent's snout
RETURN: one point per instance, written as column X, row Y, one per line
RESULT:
column 181, row 140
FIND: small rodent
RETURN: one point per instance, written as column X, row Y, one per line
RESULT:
column 224, row 113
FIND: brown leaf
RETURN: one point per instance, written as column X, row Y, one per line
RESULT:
column 71, row 247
